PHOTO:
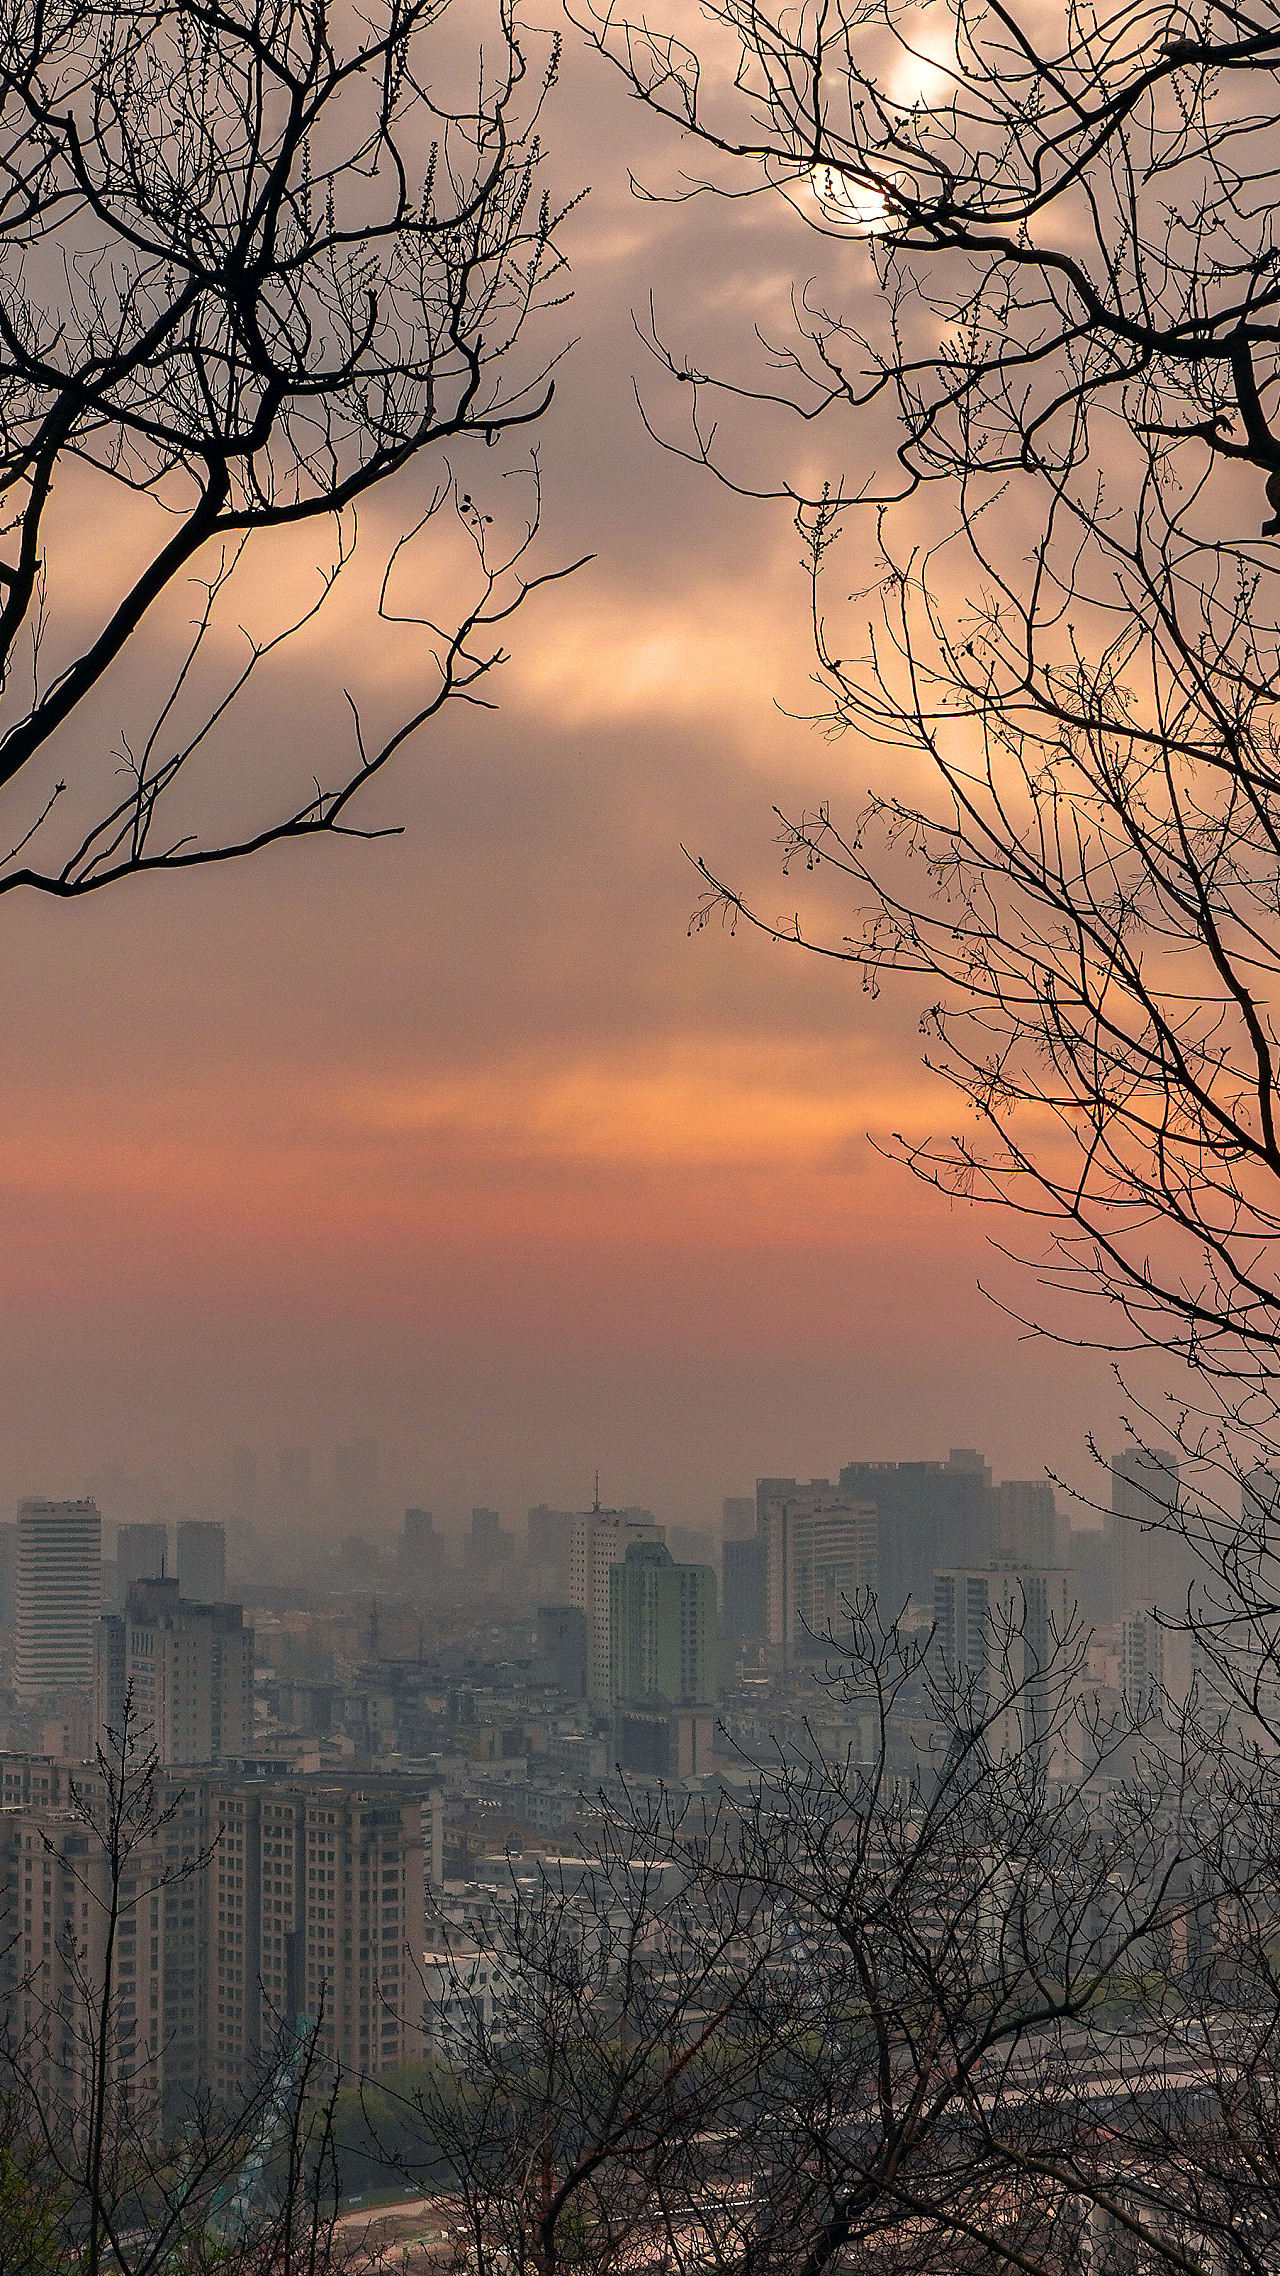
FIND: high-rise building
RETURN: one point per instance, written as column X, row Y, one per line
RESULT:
column 662, row 1660
column 1142, row 1661
column 930, row 1514
column 549, row 1538
column 486, row 1544
column 1152, row 1562
column 1026, row 1522
column 202, row 1560
column 142, row 1553
column 1260, row 1497
column 316, row 1907
column 742, row 1617
column 662, row 1629
column 305, row 1897
column 8, row 1578
column 1092, row 1558
column 820, row 1549
column 600, row 1539
column 737, row 1516
column 419, row 1548
column 59, row 1598
column 997, row 1636
column 188, row 1668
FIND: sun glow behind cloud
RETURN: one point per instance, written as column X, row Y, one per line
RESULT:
column 458, row 1136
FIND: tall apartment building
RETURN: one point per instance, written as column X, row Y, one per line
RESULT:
column 486, row 1544
column 663, row 1637
column 54, row 1884
column 54, row 1912
column 600, row 1538
column 742, row 1617
column 419, row 1548
column 550, row 1538
column 1026, row 1528
column 58, row 1598
column 202, row 1560
column 189, row 1668
column 996, row 1634
column 8, row 1577
column 142, row 1553
column 1152, row 1564
column 820, row 1551
column 308, row 1901
column 662, row 1628
column 930, row 1514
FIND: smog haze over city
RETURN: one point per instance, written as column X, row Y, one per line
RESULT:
column 455, row 1139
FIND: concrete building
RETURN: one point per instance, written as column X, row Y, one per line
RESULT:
column 305, row 1897
column 742, row 1618
column 189, row 1668
column 820, row 1551
column 419, row 1551
column 662, row 1629
column 142, row 1553
column 8, row 1578
column 58, row 1598
column 930, row 1514
column 549, row 1541
column 1152, row 1563
column 996, row 1634
column 1026, row 1522
column 663, row 1637
column 486, row 1544
column 600, row 1539
column 202, row 1560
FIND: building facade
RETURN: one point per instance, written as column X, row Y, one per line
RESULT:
column 743, row 1613
column 997, row 1637
column 1151, row 1562
column 202, row 1560
column 599, row 1539
column 257, row 1905
column 58, row 1598
column 188, row 1668
column 820, row 1554
column 663, row 1629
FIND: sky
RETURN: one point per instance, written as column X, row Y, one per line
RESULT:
column 458, row 1138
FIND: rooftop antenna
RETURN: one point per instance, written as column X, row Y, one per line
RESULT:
column 596, row 1503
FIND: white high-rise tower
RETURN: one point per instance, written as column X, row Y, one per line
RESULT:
column 58, row 1598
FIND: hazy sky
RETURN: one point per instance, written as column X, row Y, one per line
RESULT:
column 457, row 1138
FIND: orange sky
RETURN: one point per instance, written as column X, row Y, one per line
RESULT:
column 457, row 1137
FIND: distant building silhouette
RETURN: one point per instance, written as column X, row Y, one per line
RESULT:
column 142, row 1553
column 742, row 1616
column 1152, row 1562
column 202, row 1560
column 930, row 1514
